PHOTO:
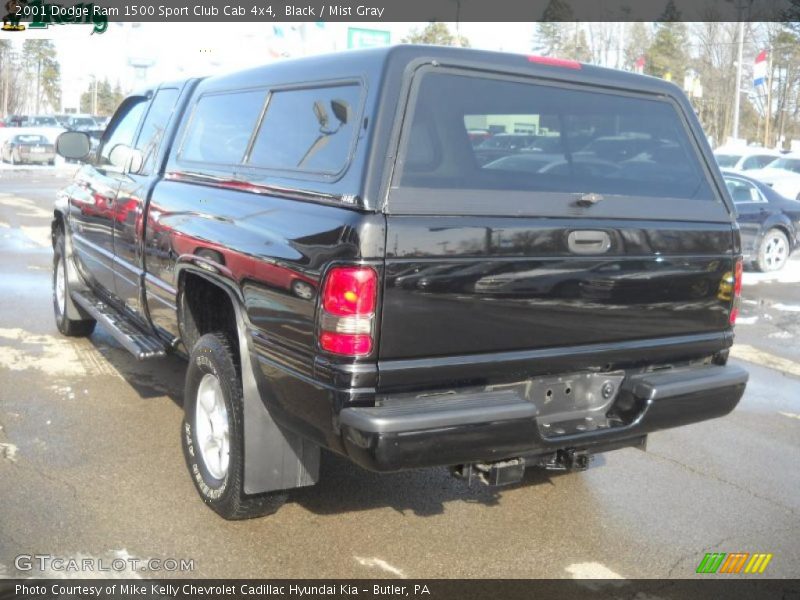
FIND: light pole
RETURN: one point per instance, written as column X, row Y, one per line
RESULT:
column 738, row 95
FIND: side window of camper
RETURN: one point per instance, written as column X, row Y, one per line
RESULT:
column 310, row 130
column 221, row 126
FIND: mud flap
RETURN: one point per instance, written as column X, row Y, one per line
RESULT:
column 274, row 459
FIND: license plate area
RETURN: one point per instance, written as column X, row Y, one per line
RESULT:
column 576, row 402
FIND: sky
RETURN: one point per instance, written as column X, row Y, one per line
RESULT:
column 176, row 50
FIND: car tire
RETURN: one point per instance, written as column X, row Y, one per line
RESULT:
column 52, row 163
column 212, row 432
column 67, row 326
column 773, row 251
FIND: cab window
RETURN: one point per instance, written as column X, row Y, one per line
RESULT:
column 123, row 127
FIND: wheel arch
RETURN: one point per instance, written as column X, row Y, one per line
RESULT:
column 275, row 458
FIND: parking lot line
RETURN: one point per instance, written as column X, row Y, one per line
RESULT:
column 765, row 359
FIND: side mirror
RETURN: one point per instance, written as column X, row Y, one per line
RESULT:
column 74, row 145
column 126, row 159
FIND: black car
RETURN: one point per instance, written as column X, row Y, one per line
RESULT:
column 320, row 239
column 769, row 223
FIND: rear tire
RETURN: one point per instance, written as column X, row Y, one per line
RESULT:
column 773, row 252
column 213, row 432
column 67, row 326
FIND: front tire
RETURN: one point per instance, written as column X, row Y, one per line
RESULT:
column 67, row 326
column 213, row 432
column 773, row 252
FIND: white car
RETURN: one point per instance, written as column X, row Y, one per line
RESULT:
column 782, row 175
column 744, row 158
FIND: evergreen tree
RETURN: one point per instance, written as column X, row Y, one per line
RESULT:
column 668, row 54
column 107, row 98
column 41, row 63
column 437, row 34
column 638, row 43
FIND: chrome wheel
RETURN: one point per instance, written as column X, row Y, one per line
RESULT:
column 61, row 287
column 775, row 251
column 212, row 428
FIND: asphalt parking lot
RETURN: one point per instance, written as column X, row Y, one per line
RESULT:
column 91, row 464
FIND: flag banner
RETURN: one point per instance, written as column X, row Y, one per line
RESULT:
column 760, row 71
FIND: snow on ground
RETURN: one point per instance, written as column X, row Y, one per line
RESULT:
column 789, row 274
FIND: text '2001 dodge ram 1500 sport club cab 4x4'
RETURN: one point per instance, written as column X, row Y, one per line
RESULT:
column 323, row 241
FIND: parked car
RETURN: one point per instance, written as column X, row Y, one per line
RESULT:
column 500, row 145
column 769, row 223
column 476, row 136
column 62, row 120
column 16, row 120
column 81, row 123
column 218, row 193
column 782, row 175
column 42, row 121
column 745, row 158
column 28, row 148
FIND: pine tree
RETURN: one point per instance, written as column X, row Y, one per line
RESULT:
column 41, row 63
column 638, row 43
column 437, row 34
column 668, row 55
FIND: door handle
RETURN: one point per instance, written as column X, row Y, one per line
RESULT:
column 588, row 242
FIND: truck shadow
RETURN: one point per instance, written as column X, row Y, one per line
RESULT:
column 149, row 379
column 345, row 487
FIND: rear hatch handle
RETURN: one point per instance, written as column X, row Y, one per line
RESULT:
column 588, row 241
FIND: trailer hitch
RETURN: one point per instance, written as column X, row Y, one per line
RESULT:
column 567, row 460
column 504, row 472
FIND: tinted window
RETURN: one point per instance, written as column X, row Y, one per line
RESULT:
column 153, row 127
column 571, row 141
column 757, row 162
column 743, row 191
column 221, row 127
column 30, row 139
column 124, row 125
column 789, row 164
column 727, row 161
column 308, row 130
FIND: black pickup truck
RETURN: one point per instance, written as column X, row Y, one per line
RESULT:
column 320, row 240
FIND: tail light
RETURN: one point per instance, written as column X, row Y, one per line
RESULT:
column 349, row 299
column 737, row 290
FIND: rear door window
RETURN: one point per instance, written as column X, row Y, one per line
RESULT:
column 547, row 144
column 310, row 130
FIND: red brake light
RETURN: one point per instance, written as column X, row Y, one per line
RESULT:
column 350, row 291
column 555, row 62
column 737, row 290
column 349, row 298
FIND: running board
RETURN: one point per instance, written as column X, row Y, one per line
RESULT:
column 134, row 340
